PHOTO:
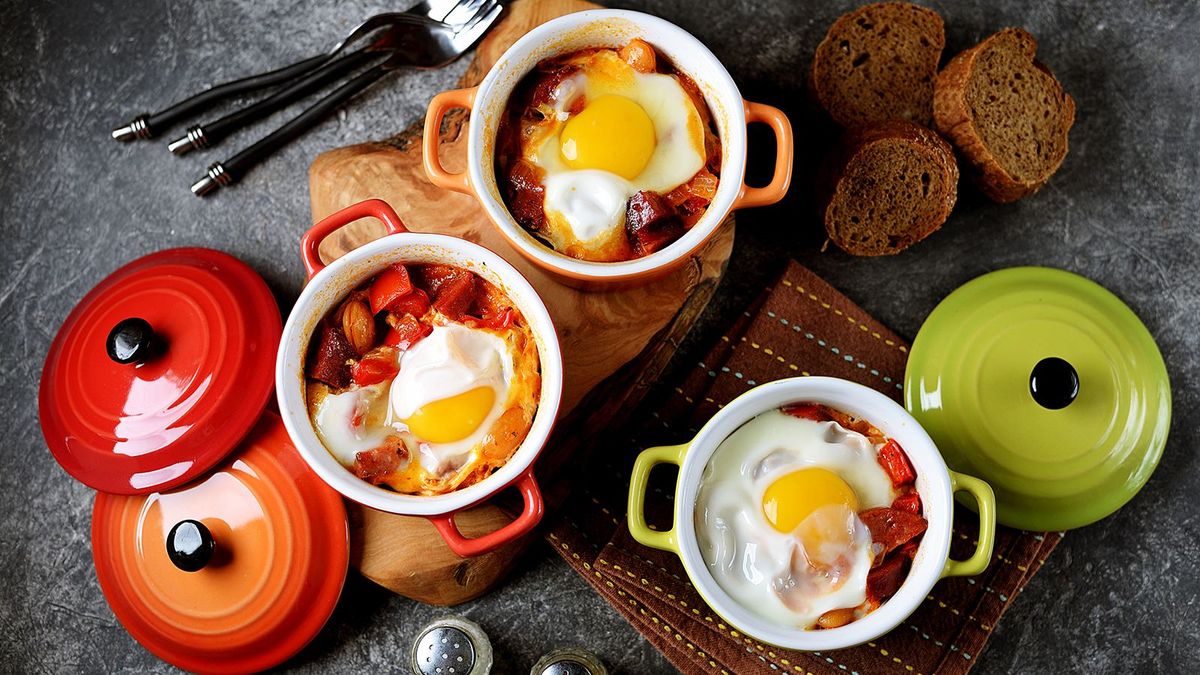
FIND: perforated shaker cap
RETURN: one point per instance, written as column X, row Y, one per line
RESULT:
column 451, row 645
column 569, row 661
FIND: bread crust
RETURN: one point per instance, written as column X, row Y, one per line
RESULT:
column 829, row 87
column 952, row 118
column 854, row 143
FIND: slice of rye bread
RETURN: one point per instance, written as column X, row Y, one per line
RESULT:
column 887, row 187
column 879, row 63
column 1006, row 113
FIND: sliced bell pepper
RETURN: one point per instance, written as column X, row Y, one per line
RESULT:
column 415, row 302
column 405, row 332
column 376, row 366
column 389, row 286
column 808, row 411
column 910, row 502
column 896, row 464
column 498, row 321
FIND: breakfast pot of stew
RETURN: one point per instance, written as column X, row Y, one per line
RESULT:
column 608, row 146
column 420, row 374
column 812, row 513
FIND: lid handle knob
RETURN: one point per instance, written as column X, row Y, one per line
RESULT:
column 133, row 341
column 1054, row 383
column 190, row 545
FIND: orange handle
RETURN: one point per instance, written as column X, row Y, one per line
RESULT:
column 438, row 107
column 371, row 208
column 529, row 518
column 778, row 187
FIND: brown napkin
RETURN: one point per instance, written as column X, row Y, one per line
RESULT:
column 801, row 326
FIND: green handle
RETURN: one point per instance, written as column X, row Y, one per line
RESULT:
column 666, row 454
column 986, row 500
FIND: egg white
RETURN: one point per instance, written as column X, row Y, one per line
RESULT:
column 334, row 421
column 587, row 207
column 747, row 556
column 451, row 360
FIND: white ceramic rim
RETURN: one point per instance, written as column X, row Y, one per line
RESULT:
column 331, row 285
column 608, row 27
column 933, row 484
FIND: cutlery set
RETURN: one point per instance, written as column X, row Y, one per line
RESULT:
column 429, row 35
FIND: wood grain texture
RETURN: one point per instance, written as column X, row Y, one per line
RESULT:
column 631, row 331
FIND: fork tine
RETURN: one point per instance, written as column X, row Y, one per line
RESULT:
column 481, row 14
column 468, row 36
column 464, row 12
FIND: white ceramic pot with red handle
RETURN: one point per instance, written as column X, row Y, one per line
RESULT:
column 329, row 284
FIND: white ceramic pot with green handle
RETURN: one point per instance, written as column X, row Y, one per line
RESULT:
column 935, row 483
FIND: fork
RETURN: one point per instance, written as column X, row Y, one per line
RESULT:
column 147, row 125
column 437, row 47
column 209, row 134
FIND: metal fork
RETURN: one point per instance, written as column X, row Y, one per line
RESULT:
column 150, row 125
column 408, row 49
column 388, row 26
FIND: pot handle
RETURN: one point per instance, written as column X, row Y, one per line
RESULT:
column 438, row 107
column 636, row 514
column 530, row 516
column 985, row 499
column 371, row 208
column 778, row 187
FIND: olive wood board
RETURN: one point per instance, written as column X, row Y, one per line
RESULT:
column 614, row 343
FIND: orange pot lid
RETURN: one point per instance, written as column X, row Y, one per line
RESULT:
column 159, row 371
column 269, row 543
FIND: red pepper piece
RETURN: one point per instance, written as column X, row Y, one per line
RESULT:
column 892, row 528
column 808, row 411
column 910, row 502
column 376, row 366
column 896, row 464
column 330, row 355
column 415, row 303
column 406, row 332
column 389, row 286
column 499, row 321
column 883, row 581
column 454, row 297
column 435, row 275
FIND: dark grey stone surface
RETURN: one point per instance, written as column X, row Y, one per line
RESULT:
column 1120, row 595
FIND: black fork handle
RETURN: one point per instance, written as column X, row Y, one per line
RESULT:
column 152, row 125
column 211, row 133
column 231, row 171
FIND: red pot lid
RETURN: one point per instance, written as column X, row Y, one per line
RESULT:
column 270, row 556
column 198, row 377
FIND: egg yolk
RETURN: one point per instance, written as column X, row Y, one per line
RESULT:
column 612, row 134
column 454, row 418
column 792, row 498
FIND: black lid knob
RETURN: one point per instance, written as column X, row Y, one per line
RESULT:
column 133, row 341
column 1053, row 383
column 190, row 545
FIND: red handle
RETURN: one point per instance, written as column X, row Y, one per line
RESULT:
column 371, row 208
column 529, row 518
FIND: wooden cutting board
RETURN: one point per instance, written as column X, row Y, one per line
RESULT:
column 614, row 344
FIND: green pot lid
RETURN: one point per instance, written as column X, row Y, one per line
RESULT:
column 1057, row 456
